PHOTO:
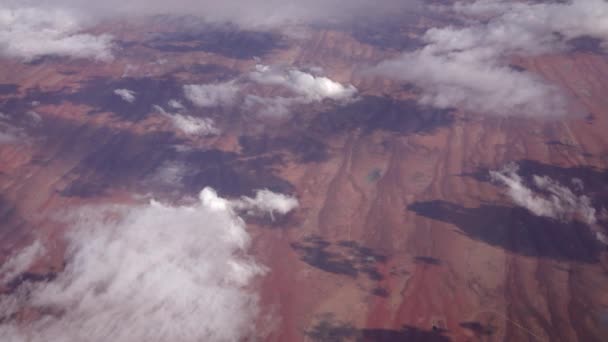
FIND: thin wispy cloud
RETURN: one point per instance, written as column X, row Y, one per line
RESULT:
column 547, row 197
column 21, row 261
column 212, row 94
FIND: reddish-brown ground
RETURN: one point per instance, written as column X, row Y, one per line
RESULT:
column 399, row 235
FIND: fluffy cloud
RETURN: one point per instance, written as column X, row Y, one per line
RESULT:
column 468, row 67
column 212, row 95
column 549, row 198
column 147, row 273
column 266, row 202
column 307, row 86
column 125, row 94
column 475, row 80
column 190, row 125
column 31, row 32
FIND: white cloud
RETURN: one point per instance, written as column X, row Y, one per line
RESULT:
column 21, row 261
column 266, row 202
column 468, row 67
column 175, row 104
column 530, row 27
column 125, row 94
column 189, row 124
column 475, row 80
column 306, row 88
column 212, row 95
column 554, row 201
column 309, row 87
column 550, row 199
column 146, row 273
column 31, row 32
column 194, row 126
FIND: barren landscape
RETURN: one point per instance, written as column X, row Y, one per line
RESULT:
column 408, row 226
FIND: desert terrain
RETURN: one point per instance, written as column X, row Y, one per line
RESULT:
column 400, row 233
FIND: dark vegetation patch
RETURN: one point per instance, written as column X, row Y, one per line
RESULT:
column 345, row 257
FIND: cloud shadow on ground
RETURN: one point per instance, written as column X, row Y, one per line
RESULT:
column 516, row 230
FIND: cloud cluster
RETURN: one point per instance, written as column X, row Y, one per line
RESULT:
column 32, row 28
column 549, row 198
column 212, row 95
column 189, row 125
column 31, row 32
column 266, row 202
column 468, row 67
column 125, row 94
column 194, row 126
column 146, row 273
column 305, row 88
column 305, row 85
